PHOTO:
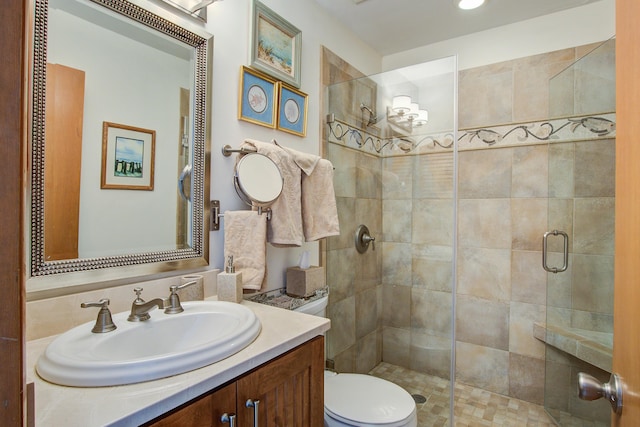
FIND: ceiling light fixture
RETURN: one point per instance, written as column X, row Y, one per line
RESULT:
column 469, row 4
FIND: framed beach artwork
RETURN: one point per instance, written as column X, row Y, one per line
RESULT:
column 276, row 45
column 257, row 99
column 128, row 157
column 292, row 110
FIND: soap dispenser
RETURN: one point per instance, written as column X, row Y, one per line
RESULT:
column 230, row 283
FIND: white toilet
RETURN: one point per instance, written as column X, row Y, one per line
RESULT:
column 360, row 400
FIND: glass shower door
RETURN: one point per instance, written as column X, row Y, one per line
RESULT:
column 579, row 319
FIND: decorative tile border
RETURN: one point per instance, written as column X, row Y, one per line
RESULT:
column 543, row 132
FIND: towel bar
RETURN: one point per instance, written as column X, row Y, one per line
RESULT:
column 216, row 215
column 227, row 150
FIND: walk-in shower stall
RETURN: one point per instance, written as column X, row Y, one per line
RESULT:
column 458, row 175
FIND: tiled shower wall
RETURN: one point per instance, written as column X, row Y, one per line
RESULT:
column 395, row 303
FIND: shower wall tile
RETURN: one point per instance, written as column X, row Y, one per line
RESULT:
column 595, row 79
column 368, row 269
column 344, row 175
column 594, row 226
column 593, row 283
column 559, row 284
column 368, row 176
column 396, row 346
column 531, row 83
column 561, row 94
column 431, row 312
column 341, row 313
column 559, row 316
column 561, row 170
column 530, row 171
column 488, row 98
column 396, row 220
column 484, row 174
column 560, row 217
column 432, row 221
column 528, row 278
column 526, row 378
column 483, row 367
column 482, row 322
column 484, row 223
column 432, row 267
column 433, row 176
column 346, row 216
column 396, row 300
column 366, row 358
column 369, row 213
column 430, row 354
column 558, row 380
column 529, row 223
column 595, row 158
column 396, row 263
column 345, row 361
column 341, row 275
column 397, row 177
column 599, row 322
column 366, row 312
column 485, row 273
column 522, row 316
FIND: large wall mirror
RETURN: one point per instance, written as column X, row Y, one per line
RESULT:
column 119, row 144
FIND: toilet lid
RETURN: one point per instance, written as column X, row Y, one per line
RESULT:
column 364, row 399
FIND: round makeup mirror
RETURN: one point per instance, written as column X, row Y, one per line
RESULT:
column 257, row 180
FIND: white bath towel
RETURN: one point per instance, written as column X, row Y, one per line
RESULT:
column 305, row 161
column 285, row 227
column 245, row 238
column 319, row 210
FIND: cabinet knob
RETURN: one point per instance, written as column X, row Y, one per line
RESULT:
column 231, row 419
column 255, row 405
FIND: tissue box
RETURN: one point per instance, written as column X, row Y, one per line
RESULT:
column 304, row 282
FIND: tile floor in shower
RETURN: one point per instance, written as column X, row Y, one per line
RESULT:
column 473, row 406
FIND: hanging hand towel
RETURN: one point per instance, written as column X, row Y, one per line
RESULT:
column 245, row 237
column 305, row 161
column 285, row 227
column 319, row 210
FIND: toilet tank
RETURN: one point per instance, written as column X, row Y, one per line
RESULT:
column 316, row 307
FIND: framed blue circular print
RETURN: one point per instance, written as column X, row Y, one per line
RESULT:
column 257, row 102
column 292, row 110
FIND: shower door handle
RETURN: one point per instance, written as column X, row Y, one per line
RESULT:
column 565, row 264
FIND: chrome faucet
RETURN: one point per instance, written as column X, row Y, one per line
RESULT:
column 140, row 308
column 104, row 322
column 173, row 305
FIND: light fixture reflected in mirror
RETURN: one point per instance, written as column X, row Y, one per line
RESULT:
column 401, row 104
column 406, row 114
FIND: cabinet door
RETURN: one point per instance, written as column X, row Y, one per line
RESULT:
column 290, row 389
column 204, row 412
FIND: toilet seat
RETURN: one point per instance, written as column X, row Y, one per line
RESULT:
column 367, row 401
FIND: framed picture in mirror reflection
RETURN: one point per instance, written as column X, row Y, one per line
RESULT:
column 128, row 157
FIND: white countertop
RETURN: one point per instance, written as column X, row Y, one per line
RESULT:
column 133, row 404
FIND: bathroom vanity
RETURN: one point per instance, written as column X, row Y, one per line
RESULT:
column 283, row 364
column 286, row 391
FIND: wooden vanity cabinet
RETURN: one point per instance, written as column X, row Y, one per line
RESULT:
column 290, row 391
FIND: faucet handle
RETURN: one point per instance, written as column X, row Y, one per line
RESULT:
column 138, row 291
column 104, row 322
column 174, row 300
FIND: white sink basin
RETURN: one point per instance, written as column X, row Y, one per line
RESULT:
column 165, row 345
